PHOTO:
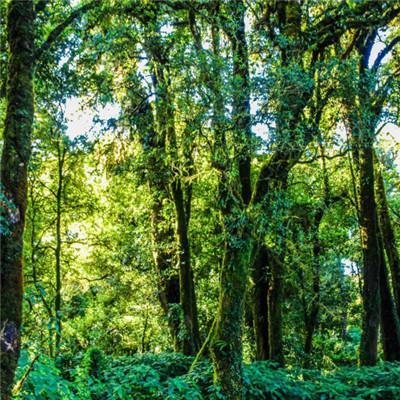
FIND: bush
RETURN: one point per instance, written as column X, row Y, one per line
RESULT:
column 165, row 377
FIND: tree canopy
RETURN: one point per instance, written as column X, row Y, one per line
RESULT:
column 226, row 225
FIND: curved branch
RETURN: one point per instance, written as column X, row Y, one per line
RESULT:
column 384, row 52
column 59, row 29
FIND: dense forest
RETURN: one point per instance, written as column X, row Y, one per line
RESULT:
column 224, row 225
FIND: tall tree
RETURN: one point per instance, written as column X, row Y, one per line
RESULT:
column 377, row 298
column 14, row 167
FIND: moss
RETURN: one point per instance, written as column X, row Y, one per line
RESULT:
column 14, row 164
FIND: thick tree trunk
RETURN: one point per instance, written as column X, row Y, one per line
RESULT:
column 167, row 278
column 162, row 232
column 388, row 236
column 390, row 329
column 370, row 248
column 275, row 311
column 312, row 316
column 191, row 339
column 226, row 342
column 261, row 282
column 241, row 118
column 14, row 164
column 165, row 128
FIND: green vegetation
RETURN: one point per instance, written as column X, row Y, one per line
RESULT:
column 165, row 376
column 225, row 225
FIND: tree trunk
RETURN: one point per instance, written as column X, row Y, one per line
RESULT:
column 191, row 340
column 190, row 326
column 241, row 118
column 388, row 235
column 370, row 248
column 162, row 233
column 261, row 278
column 60, row 187
column 312, row 316
column 226, row 343
column 165, row 130
column 167, row 278
column 390, row 329
column 275, row 310
column 14, row 164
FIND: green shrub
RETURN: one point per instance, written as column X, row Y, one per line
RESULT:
column 165, row 377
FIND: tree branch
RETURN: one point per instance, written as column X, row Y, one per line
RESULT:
column 384, row 52
column 59, row 29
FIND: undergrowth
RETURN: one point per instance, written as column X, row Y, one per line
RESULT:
column 165, row 377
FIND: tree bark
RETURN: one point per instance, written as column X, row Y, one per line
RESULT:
column 312, row 316
column 14, row 163
column 226, row 343
column 275, row 311
column 390, row 328
column 191, row 341
column 241, row 117
column 261, row 281
column 370, row 249
column 165, row 129
column 190, row 326
column 388, row 235
column 59, row 194
column 162, row 233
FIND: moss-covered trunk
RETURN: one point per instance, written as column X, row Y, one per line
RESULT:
column 226, row 342
column 165, row 128
column 162, row 232
column 370, row 249
column 234, row 196
column 167, row 278
column 14, row 165
column 312, row 316
column 390, row 329
column 191, row 339
column 388, row 235
column 259, row 301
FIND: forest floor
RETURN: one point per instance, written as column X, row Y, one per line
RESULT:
column 165, row 377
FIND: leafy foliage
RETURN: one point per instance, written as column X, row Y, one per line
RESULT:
column 165, row 376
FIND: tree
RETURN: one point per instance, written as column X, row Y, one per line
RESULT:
column 14, row 166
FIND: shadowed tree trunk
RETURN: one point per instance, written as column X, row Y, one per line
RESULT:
column 273, row 175
column 162, row 232
column 191, row 342
column 312, row 315
column 226, row 343
column 14, row 164
column 226, row 332
column 260, row 274
column 390, row 329
column 61, row 152
column 369, row 241
column 165, row 128
column 388, row 235
column 363, row 125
